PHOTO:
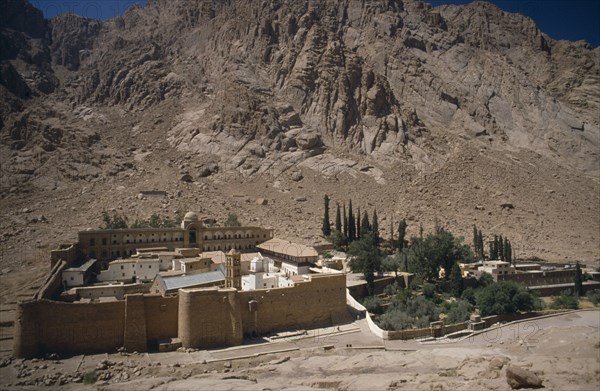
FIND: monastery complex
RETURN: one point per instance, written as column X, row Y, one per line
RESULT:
column 163, row 288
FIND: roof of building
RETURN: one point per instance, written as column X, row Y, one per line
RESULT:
column 82, row 268
column 192, row 260
column 192, row 280
column 190, row 216
column 135, row 260
column 215, row 256
column 247, row 257
column 286, row 247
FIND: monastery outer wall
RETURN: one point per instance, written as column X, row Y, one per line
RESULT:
column 209, row 318
column 221, row 317
column 68, row 328
column 161, row 318
column 320, row 301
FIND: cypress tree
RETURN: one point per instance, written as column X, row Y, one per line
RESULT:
column 401, row 234
column 456, row 281
column 495, row 248
column 392, row 243
column 480, row 244
column 508, row 251
column 345, row 223
column 375, row 228
column 351, row 224
column 338, row 219
column 365, row 226
column 578, row 280
column 475, row 241
column 491, row 250
column 501, row 248
column 358, row 229
column 326, row 224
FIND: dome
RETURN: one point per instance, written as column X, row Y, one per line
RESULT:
column 190, row 216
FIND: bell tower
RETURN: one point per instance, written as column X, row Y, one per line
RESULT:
column 233, row 270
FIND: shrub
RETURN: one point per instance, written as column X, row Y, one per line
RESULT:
column 90, row 377
column 459, row 312
column 428, row 290
column 469, row 295
column 594, row 296
column 565, row 301
column 373, row 304
column 405, row 313
column 485, row 279
column 392, row 289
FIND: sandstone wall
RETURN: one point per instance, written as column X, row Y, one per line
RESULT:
column 43, row 326
column 161, row 318
column 209, row 318
column 322, row 301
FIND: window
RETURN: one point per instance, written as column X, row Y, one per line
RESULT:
column 123, row 274
column 92, row 242
column 149, row 266
column 72, row 278
column 114, row 241
column 104, row 241
column 122, row 267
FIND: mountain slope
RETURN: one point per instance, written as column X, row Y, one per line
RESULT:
column 444, row 112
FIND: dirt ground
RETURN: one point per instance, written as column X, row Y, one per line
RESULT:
column 563, row 350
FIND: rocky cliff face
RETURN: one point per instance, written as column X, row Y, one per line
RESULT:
column 382, row 89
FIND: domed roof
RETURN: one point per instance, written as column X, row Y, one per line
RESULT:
column 190, row 216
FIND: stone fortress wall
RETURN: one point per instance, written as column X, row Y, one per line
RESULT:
column 201, row 318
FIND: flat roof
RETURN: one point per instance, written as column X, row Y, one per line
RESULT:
column 135, row 260
column 287, row 247
column 216, row 256
column 247, row 257
column 83, row 267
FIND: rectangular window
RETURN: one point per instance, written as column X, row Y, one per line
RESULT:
column 104, row 241
column 122, row 267
column 92, row 242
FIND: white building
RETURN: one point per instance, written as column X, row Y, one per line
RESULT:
column 263, row 274
column 139, row 269
column 496, row 268
column 78, row 276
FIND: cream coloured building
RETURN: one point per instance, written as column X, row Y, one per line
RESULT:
column 109, row 244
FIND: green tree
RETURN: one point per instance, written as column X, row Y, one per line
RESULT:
column 485, row 279
column 459, row 312
column 375, row 227
column 392, row 263
column 481, row 254
column 456, row 280
column 565, row 300
column 402, row 234
column 116, row 221
column 345, row 221
column 365, row 226
column 437, row 250
column 359, row 229
column 366, row 258
column 505, row 297
column 326, row 223
column 475, row 241
column 578, row 280
column 232, row 220
column 338, row 219
column 351, row 223
column 501, row 252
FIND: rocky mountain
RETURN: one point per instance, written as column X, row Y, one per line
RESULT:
column 430, row 113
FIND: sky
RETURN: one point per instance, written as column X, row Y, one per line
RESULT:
column 560, row 19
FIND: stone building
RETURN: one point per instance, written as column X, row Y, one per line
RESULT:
column 109, row 244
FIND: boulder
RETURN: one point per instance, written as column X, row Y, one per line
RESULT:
column 208, row 169
column 186, row 178
column 261, row 201
column 518, row 377
column 297, row 176
column 507, row 205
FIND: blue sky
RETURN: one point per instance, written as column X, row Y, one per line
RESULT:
column 561, row 19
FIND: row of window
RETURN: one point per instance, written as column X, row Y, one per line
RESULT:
column 176, row 239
